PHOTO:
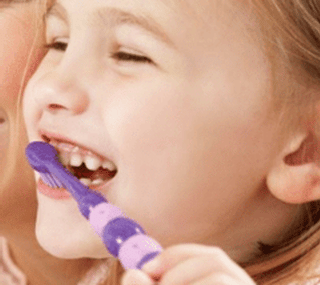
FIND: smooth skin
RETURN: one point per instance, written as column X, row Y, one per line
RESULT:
column 178, row 95
column 189, row 264
column 21, row 39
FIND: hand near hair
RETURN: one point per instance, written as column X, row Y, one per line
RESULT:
column 189, row 264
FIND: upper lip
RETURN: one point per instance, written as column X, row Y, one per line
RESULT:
column 60, row 138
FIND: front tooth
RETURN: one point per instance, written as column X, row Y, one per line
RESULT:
column 92, row 163
column 108, row 165
column 75, row 159
column 85, row 181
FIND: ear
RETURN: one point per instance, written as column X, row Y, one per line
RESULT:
column 295, row 176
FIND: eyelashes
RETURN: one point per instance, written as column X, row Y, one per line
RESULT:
column 125, row 56
column 58, row 46
column 118, row 56
column 13, row 1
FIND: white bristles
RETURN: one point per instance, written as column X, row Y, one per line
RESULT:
column 49, row 180
column 44, row 178
column 57, row 181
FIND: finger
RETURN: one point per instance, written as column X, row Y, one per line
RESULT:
column 218, row 279
column 197, row 268
column 176, row 254
column 136, row 277
column 215, row 259
column 190, row 271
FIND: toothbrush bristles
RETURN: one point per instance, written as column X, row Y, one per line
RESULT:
column 53, row 183
column 47, row 178
column 57, row 181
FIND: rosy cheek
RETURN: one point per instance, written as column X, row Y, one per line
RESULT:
column 36, row 58
column 35, row 53
column 4, row 136
column 21, row 48
column 4, row 127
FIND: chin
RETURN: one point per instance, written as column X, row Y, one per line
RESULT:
column 68, row 248
column 67, row 235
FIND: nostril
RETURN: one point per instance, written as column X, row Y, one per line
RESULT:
column 73, row 103
column 55, row 107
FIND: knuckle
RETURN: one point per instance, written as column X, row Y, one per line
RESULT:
column 222, row 279
column 218, row 251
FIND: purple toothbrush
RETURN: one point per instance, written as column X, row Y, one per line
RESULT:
column 123, row 237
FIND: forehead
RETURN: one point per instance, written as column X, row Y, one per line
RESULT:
column 157, row 16
column 173, row 21
column 204, row 9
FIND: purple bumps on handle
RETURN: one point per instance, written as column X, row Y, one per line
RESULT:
column 102, row 214
column 138, row 250
column 123, row 237
column 87, row 201
column 117, row 231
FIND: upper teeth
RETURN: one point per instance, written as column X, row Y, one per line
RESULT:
column 75, row 159
column 78, row 156
column 92, row 163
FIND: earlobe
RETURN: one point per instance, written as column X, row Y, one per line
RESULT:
column 295, row 176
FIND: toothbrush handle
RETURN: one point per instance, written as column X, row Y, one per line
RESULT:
column 123, row 237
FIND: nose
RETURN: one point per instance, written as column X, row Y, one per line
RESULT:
column 60, row 93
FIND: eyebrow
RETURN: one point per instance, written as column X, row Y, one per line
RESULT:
column 112, row 17
column 116, row 17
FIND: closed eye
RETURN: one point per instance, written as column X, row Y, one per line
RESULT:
column 59, row 46
column 124, row 56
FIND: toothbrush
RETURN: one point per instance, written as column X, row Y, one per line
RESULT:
column 124, row 238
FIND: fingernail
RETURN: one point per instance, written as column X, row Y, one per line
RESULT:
column 136, row 277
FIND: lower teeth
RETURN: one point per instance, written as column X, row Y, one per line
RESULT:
column 88, row 181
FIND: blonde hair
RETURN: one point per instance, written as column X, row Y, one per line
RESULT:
column 291, row 36
column 291, row 31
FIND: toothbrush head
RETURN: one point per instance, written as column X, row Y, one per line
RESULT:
column 124, row 238
column 41, row 154
column 43, row 157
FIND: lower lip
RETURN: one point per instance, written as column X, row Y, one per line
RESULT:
column 54, row 193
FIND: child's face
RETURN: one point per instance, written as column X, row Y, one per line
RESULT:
column 178, row 101
column 20, row 52
column 17, row 35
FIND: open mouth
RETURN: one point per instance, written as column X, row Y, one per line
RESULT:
column 90, row 168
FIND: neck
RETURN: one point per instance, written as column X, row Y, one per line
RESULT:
column 39, row 266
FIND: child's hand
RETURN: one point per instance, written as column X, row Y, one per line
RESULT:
column 189, row 264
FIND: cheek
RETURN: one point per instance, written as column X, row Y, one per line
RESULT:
column 147, row 113
column 168, row 134
column 20, row 53
column 4, row 137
